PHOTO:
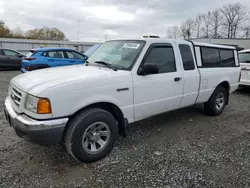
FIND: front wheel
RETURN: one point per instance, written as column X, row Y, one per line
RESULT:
column 91, row 135
column 217, row 102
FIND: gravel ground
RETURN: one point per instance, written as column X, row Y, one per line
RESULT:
column 184, row 148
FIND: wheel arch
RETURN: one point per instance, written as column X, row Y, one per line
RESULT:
column 113, row 109
column 226, row 85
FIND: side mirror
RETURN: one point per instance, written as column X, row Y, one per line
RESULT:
column 20, row 55
column 148, row 69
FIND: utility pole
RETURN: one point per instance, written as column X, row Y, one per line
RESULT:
column 106, row 37
column 78, row 34
column 78, row 30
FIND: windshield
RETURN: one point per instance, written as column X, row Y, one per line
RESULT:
column 244, row 57
column 120, row 54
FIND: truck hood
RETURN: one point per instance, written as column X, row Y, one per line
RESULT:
column 37, row 81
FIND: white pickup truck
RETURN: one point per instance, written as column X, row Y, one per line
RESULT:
column 87, row 106
column 244, row 57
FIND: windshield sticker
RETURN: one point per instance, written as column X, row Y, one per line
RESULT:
column 131, row 45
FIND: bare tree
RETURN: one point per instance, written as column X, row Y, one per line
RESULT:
column 234, row 15
column 198, row 24
column 186, row 29
column 207, row 24
column 4, row 30
column 45, row 34
column 246, row 32
column 175, row 30
column 17, row 33
column 182, row 31
column 172, row 31
column 215, row 22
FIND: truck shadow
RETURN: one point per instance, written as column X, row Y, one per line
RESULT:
column 57, row 156
column 169, row 117
column 244, row 90
column 141, row 132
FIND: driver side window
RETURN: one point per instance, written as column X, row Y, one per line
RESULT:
column 163, row 58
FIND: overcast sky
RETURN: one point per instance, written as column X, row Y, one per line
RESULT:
column 97, row 18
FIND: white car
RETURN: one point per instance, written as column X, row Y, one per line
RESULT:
column 244, row 57
column 87, row 106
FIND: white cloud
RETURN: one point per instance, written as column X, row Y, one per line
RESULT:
column 145, row 11
column 109, row 13
column 22, row 13
column 110, row 32
column 2, row 9
column 115, row 18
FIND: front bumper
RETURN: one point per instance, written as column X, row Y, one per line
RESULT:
column 44, row 132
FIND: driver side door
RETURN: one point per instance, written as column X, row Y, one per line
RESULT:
column 162, row 91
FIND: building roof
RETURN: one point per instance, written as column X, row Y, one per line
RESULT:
column 30, row 41
column 48, row 49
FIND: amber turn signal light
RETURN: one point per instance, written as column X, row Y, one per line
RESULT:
column 43, row 106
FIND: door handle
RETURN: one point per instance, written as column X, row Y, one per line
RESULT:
column 177, row 79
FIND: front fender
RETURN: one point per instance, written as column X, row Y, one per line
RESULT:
column 93, row 100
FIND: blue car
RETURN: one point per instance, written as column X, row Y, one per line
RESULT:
column 51, row 57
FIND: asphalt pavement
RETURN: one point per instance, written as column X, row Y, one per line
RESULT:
column 184, row 148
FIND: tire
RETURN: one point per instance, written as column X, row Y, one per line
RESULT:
column 217, row 102
column 86, row 127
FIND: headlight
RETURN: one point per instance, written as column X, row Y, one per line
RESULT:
column 37, row 105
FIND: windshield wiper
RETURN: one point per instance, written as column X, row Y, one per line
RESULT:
column 106, row 64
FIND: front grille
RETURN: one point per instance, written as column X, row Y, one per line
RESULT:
column 16, row 96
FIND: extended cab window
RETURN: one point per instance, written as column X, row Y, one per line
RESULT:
column 227, row 58
column 217, row 57
column 210, row 57
column 187, row 57
column 163, row 57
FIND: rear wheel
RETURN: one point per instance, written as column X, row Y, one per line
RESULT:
column 91, row 135
column 217, row 102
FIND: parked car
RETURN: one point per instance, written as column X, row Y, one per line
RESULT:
column 51, row 57
column 10, row 59
column 87, row 106
column 91, row 50
column 244, row 57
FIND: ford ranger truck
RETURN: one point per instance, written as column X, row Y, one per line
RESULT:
column 88, row 106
